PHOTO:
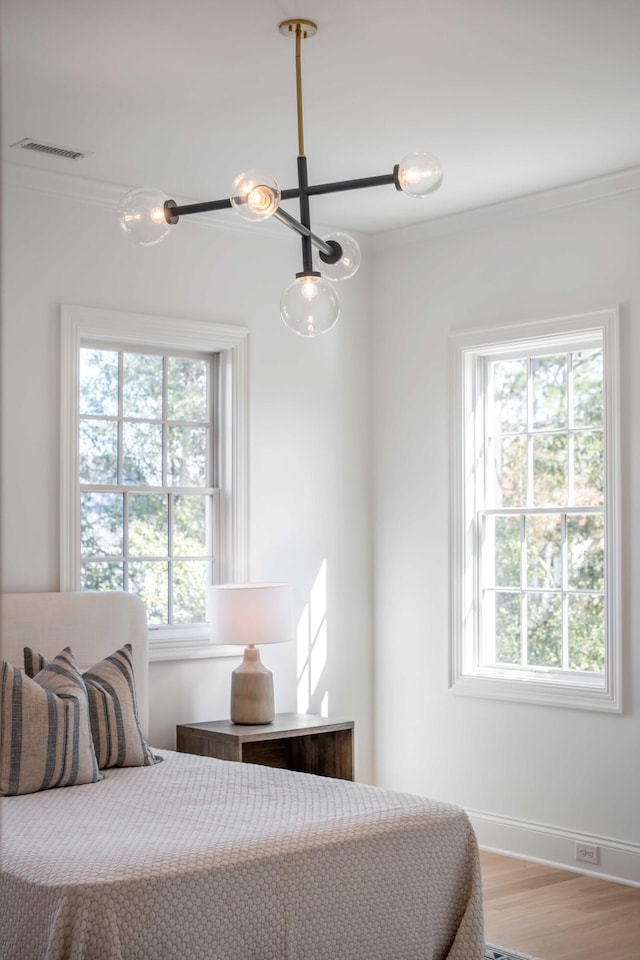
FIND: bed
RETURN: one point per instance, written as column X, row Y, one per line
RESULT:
column 193, row 858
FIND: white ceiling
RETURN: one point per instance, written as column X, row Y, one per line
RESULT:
column 513, row 96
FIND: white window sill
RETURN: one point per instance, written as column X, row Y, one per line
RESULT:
column 549, row 690
column 173, row 646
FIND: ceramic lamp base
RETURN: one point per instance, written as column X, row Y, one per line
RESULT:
column 252, row 690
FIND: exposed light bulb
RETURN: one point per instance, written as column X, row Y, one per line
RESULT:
column 348, row 264
column 262, row 201
column 255, row 195
column 142, row 216
column 309, row 306
column 419, row 174
column 309, row 289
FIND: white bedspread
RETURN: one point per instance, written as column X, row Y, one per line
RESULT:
column 199, row 859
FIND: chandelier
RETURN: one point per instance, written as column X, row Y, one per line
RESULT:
column 309, row 306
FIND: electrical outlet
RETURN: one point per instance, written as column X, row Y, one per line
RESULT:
column 587, row 852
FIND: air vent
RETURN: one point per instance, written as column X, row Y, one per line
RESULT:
column 65, row 152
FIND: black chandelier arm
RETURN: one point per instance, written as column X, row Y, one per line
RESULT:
column 341, row 185
column 173, row 211
column 188, row 208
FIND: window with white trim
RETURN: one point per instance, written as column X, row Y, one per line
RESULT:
column 535, row 574
column 154, row 466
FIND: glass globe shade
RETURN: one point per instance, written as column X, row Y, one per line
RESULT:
column 419, row 174
column 348, row 263
column 141, row 213
column 309, row 306
column 255, row 195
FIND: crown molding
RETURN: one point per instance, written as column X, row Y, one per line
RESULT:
column 105, row 194
column 532, row 205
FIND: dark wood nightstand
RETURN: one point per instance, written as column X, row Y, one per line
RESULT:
column 294, row 741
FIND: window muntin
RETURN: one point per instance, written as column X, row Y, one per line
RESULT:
column 535, row 463
column 148, row 502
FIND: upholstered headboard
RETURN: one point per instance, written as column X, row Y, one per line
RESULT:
column 92, row 624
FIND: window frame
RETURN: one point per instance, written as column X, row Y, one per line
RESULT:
column 468, row 352
column 82, row 326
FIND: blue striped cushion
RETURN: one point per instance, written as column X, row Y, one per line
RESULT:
column 117, row 738
column 45, row 732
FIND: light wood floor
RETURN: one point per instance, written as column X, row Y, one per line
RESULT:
column 556, row 915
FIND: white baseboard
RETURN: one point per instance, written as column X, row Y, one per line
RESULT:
column 619, row 861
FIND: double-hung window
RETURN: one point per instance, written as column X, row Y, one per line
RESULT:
column 154, row 466
column 535, row 531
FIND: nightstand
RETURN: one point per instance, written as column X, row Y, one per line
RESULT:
column 294, row 741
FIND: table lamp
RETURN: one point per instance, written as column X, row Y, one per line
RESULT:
column 250, row 614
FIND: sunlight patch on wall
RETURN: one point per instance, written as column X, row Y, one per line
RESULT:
column 302, row 659
column 312, row 649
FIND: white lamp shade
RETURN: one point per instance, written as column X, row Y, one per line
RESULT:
column 251, row 613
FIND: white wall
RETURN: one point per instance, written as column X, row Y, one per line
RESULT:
column 521, row 765
column 310, row 456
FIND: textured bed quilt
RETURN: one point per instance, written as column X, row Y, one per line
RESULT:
column 200, row 859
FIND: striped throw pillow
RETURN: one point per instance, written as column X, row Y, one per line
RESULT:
column 45, row 733
column 117, row 738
